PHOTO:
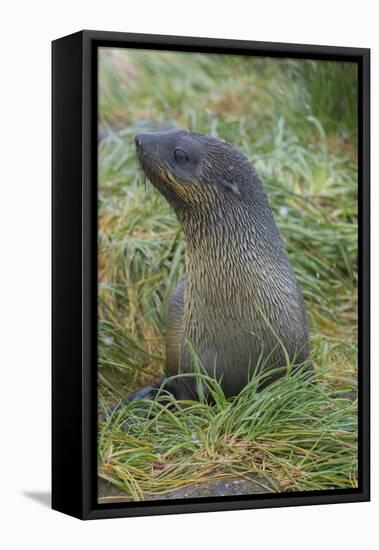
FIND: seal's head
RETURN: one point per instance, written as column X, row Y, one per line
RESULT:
column 194, row 170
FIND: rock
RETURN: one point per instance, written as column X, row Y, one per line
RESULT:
column 232, row 486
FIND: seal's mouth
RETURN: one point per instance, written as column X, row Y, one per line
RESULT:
column 141, row 154
column 142, row 162
column 147, row 155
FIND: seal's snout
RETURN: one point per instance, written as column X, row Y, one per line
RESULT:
column 146, row 141
column 138, row 141
column 147, row 145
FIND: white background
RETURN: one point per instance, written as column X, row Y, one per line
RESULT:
column 26, row 31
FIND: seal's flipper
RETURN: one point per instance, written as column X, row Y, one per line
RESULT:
column 161, row 386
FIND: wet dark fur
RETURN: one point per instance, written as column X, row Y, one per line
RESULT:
column 239, row 304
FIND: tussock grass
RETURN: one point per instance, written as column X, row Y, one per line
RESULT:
column 296, row 121
column 295, row 435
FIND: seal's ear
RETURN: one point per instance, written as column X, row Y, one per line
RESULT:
column 231, row 188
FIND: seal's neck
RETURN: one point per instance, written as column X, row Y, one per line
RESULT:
column 231, row 231
column 232, row 257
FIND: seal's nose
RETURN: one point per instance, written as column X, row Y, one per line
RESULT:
column 138, row 141
column 147, row 141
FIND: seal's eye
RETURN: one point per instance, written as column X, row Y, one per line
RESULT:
column 180, row 156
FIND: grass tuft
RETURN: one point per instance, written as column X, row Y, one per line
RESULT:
column 296, row 434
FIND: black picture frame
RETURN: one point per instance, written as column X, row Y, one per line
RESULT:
column 74, row 272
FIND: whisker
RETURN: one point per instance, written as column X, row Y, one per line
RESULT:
column 142, row 178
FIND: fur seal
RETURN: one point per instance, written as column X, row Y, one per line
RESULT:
column 239, row 305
